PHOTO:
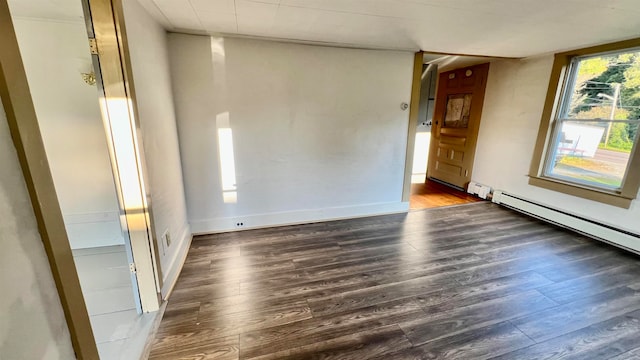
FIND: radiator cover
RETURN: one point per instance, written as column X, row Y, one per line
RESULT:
column 603, row 232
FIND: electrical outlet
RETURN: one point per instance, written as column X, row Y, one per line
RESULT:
column 239, row 224
column 167, row 238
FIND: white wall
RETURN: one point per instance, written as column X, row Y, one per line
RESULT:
column 32, row 323
column 72, row 130
column 150, row 61
column 515, row 95
column 318, row 132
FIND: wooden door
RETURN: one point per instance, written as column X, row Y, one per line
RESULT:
column 456, row 122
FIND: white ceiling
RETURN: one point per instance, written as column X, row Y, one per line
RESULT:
column 509, row 28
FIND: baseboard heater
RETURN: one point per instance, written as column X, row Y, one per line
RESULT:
column 599, row 231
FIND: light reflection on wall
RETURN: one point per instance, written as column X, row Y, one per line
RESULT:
column 122, row 142
column 126, row 162
column 226, row 159
column 420, row 157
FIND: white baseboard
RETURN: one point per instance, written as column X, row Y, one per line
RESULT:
column 175, row 265
column 295, row 217
column 590, row 227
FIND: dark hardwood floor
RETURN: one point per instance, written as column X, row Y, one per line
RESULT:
column 432, row 194
column 474, row 281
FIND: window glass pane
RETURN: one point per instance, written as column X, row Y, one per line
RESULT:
column 606, row 87
column 580, row 154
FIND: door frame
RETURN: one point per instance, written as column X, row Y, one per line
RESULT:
column 418, row 62
column 27, row 139
column 25, row 132
column 414, row 114
column 119, row 109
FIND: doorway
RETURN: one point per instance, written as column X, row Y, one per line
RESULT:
column 70, row 118
column 65, row 96
column 441, row 148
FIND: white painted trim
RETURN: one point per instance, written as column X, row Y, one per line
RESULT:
column 332, row 44
column 295, row 217
column 593, row 228
column 74, row 21
column 94, row 229
column 171, row 276
column 93, row 217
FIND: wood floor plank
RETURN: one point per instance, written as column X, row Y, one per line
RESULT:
column 199, row 346
column 217, row 268
column 364, row 345
column 549, row 243
column 462, row 282
column 237, row 275
column 430, row 295
column 203, row 293
column 599, row 341
column 463, row 295
column 577, row 288
column 392, row 273
column 324, row 328
column 575, row 315
column 634, row 286
column 315, row 260
column 555, row 267
column 378, row 294
column 431, row 194
column 444, row 321
column 488, row 271
column 179, row 317
column 480, row 343
column 240, row 322
column 629, row 355
column 583, row 267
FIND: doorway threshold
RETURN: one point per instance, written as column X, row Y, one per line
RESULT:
column 433, row 194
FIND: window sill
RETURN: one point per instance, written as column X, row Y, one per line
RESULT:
column 602, row 196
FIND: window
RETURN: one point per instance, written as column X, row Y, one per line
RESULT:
column 588, row 138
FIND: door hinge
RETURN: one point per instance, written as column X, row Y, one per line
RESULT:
column 93, row 46
column 132, row 267
column 466, row 173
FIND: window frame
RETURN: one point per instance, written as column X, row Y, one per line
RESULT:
column 560, row 79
